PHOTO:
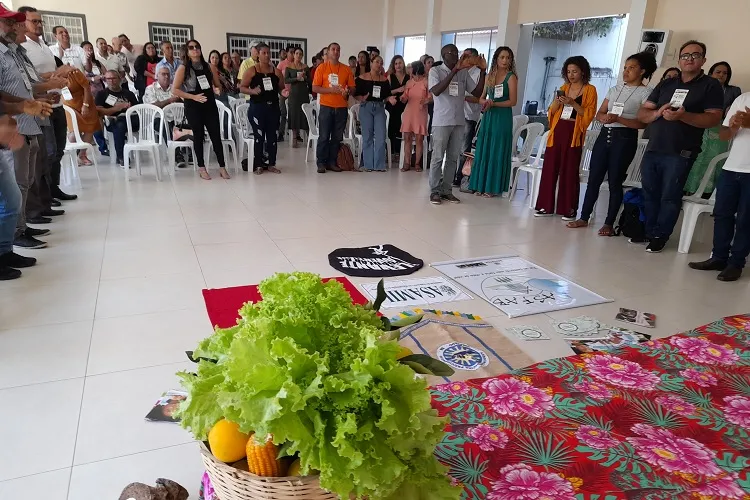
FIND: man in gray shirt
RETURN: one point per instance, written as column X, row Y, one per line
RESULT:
column 448, row 83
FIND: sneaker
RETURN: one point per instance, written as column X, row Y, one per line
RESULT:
column 638, row 241
column 12, row 259
column 52, row 213
column 39, row 220
column 656, row 245
column 321, row 169
column 450, row 198
column 28, row 242
column 731, row 273
column 8, row 273
column 120, row 162
column 541, row 213
column 569, row 218
column 64, row 196
column 708, row 265
column 435, row 199
column 334, row 168
column 32, row 231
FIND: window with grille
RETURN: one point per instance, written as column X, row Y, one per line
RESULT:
column 74, row 23
column 178, row 34
column 242, row 43
column 484, row 40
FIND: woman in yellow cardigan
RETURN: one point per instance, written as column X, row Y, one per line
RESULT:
column 569, row 116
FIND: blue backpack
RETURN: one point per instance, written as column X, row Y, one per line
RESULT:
column 632, row 223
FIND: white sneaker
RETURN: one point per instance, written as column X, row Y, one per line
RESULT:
column 541, row 213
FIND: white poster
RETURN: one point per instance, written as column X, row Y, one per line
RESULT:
column 417, row 292
column 516, row 286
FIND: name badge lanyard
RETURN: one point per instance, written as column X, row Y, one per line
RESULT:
column 617, row 99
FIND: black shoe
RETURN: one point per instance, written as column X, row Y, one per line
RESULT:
column 64, row 196
column 435, row 199
column 120, row 162
column 638, row 241
column 450, row 198
column 281, row 138
column 334, row 168
column 8, row 273
column 709, row 265
column 731, row 273
column 104, row 153
column 33, row 232
column 52, row 213
column 656, row 245
column 321, row 169
column 244, row 164
column 55, row 203
column 12, row 259
column 541, row 213
column 39, row 220
column 181, row 164
column 28, row 242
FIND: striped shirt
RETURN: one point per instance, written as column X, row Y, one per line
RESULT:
column 15, row 81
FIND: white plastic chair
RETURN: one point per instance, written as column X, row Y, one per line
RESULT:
column 533, row 171
column 74, row 147
column 227, row 141
column 69, row 177
column 246, row 138
column 148, row 139
column 588, row 147
column 349, row 139
column 521, row 158
column 175, row 113
column 633, row 178
column 354, row 112
column 519, row 121
column 693, row 206
column 312, row 126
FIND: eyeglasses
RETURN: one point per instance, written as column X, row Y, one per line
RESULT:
column 193, row 47
column 113, row 78
column 35, row 21
column 693, row 56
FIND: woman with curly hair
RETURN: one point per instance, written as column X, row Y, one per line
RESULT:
column 570, row 115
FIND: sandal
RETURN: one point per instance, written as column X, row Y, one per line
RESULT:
column 223, row 173
column 406, row 167
column 577, row 223
column 274, row 170
column 83, row 161
column 258, row 170
column 477, row 193
column 204, row 174
column 606, row 230
column 417, row 167
column 488, row 195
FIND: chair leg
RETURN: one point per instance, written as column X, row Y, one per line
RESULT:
column 137, row 162
column 307, row 148
column 157, row 163
column 401, row 156
column 689, row 220
column 534, row 188
column 126, row 154
column 95, row 161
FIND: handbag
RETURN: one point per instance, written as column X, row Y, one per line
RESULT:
column 466, row 169
column 181, row 130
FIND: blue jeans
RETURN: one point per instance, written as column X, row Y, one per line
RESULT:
column 10, row 205
column 664, row 177
column 372, row 118
column 732, row 218
column 331, row 125
column 119, row 128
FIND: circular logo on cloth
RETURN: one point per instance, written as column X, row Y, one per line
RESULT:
column 461, row 356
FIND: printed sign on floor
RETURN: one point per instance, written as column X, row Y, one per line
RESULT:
column 516, row 286
column 374, row 262
column 417, row 292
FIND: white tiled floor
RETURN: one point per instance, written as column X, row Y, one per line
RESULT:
column 95, row 332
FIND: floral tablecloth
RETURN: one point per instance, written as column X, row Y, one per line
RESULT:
column 667, row 419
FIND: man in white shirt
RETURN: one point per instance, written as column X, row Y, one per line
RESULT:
column 169, row 61
column 159, row 94
column 732, row 209
column 72, row 55
column 130, row 51
column 448, row 82
column 111, row 62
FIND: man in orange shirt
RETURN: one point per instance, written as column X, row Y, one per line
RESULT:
column 332, row 82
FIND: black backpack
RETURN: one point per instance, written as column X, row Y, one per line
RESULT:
column 630, row 224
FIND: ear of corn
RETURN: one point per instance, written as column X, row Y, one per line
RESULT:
column 263, row 457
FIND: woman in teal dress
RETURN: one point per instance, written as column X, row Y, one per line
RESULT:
column 490, row 170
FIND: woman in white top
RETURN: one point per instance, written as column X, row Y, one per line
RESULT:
column 617, row 143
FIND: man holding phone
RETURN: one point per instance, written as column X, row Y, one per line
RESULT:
column 679, row 110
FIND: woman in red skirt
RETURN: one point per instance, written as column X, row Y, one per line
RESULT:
column 569, row 116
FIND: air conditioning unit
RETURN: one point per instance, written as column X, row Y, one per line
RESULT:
column 655, row 42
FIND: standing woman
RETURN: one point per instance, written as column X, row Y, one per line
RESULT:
column 263, row 83
column 193, row 83
column 618, row 139
column 145, row 69
column 372, row 91
column 490, row 171
column 570, row 115
column 297, row 75
column 712, row 145
column 414, row 119
column 92, row 68
column 397, row 79
column 363, row 63
column 228, row 85
column 428, row 62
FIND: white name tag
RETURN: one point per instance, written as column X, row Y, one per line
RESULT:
column 333, row 79
column 267, row 83
column 65, row 91
column 95, row 70
column 111, row 100
column 617, row 108
column 453, row 89
column 203, row 82
column 499, row 89
column 678, row 98
column 376, row 91
column 567, row 112
column 26, row 80
column 300, row 75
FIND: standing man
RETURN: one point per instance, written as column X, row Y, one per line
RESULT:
column 44, row 64
column 732, row 208
column 169, row 61
column 72, row 55
column 449, row 82
column 374, row 52
column 284, row 93
column 249, row 62
column 111, row 62
column 472, row 111
column 679, row 110
column 333, row 82
column 117, row 50
column 131, row 53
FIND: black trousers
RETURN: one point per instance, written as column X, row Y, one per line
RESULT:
column 264, row 118
column 202, row 116
column 60, row 128
column 613, row 152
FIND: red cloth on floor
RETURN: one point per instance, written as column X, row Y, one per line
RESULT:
column 564, row 161
column 223, row 304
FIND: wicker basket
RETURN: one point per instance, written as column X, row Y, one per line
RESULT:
column 235, row 484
